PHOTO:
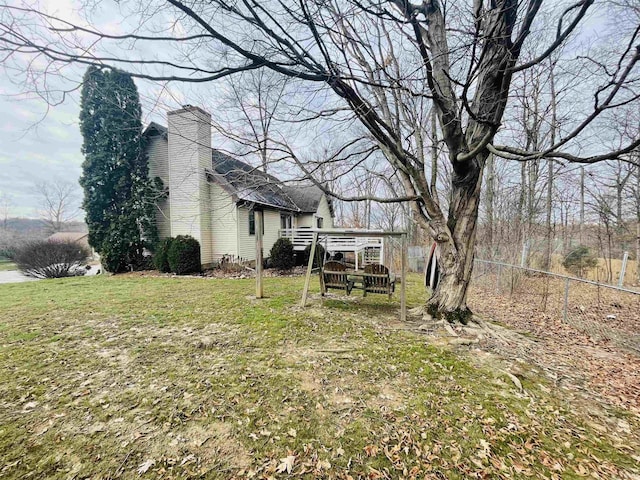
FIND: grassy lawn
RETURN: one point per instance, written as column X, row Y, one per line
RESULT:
column 6, row 264
column 130, row 376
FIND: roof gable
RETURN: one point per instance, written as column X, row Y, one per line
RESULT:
column 155, row 129
column 249, row 184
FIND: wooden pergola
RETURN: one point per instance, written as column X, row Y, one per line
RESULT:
column 324, row 233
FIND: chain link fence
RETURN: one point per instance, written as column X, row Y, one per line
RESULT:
column 537, row 299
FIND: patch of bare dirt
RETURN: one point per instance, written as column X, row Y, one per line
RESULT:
column 340, row 387
column 210, row 442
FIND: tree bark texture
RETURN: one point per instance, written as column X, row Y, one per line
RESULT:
column 456, row 249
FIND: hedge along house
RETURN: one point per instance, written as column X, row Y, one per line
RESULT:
column 213, row 196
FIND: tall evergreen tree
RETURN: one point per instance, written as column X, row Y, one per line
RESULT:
column 118, row 195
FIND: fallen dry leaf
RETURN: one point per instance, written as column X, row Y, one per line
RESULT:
column 146, row 465
column 286, row 464
column 371, row 450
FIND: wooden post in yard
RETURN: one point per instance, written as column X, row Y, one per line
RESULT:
column 258, row 229
column 403, row 285
column 307, row 280
column 323, row 289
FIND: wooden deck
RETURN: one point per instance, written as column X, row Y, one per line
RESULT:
column 370, row 249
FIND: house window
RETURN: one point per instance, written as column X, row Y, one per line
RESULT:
column 252, row 222
column 319, row 222
column 286, row 222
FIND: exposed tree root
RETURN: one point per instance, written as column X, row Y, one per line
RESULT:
column 417, row 312
column 475, row 330
column 498, row 332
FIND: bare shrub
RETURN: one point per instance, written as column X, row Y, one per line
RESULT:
column 51, row 259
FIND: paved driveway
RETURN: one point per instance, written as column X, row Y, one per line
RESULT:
column 14, row 276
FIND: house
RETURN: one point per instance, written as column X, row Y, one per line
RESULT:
column 81, row 238
column 213, row 196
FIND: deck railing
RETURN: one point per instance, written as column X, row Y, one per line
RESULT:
column 302, row 237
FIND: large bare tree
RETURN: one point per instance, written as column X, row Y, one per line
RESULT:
column 57, row 203
column 254, row 98
column 5, row 209
column 378, row 67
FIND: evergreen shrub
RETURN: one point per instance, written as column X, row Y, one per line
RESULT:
column 184, row 255
column 161, row 256
column 579, row 261
column 282, row 254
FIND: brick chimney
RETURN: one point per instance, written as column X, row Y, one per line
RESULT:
column 189, row 155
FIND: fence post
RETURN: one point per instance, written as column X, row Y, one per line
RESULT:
column 512, row 286
column 623, row 269
column 498, row 278
column 566, row 299
column 523, row 257
column 307, row 280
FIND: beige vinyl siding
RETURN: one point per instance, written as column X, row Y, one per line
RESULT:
column 247, row 243
column 224, row 218
column 305, row 220
column 189, row 155
column 325, row 213
column 158, row 150
column 271, row 229
column 308, row 220
column 204, row 162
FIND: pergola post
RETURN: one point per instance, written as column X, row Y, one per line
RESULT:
column 258, row 229
column 321, row 260
column 307, row 280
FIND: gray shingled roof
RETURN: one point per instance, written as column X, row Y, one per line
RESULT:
column 153, row 126
column 306, row 197
column 68, row 236
column 248, row 183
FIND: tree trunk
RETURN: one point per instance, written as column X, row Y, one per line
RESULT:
column 434, row 154
column 554, row 123
column 549, row 211
column 619, row 193
column 456, row 252
column 522, row 234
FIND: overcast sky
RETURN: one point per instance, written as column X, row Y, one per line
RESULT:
column 36, row 149
column 43, row 144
